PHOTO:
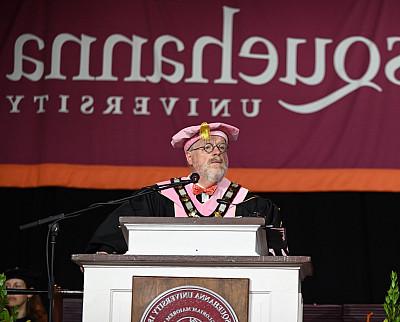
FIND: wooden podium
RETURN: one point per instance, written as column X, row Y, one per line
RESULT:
column 274, row 282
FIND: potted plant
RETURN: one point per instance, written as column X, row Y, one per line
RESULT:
column 392, row 301
column 6, row 314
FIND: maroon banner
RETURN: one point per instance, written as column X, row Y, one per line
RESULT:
column 312, row 85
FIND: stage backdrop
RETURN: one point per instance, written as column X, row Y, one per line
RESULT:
column 92, row 91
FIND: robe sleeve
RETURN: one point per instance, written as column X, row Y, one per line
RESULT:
column 262, row 207
column 108, row 236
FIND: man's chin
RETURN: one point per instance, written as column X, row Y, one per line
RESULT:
column 216, row 176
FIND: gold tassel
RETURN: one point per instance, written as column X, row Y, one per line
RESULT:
column 205, row 131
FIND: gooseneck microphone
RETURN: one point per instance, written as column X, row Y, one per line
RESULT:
column 193, row 178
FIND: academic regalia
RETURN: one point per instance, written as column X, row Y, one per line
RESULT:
column 172, row 202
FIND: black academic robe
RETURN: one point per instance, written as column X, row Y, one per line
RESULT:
column 109, row 238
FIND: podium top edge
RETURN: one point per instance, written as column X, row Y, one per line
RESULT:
column 192, row 221
column 303, row 263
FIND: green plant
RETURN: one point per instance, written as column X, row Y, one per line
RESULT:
column 6, row 315
column 392, row 302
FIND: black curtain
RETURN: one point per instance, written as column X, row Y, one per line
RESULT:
column 353, row 238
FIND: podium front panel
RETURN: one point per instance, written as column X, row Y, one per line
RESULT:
column 274, row 284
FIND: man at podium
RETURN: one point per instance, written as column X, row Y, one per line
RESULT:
column 206, row 150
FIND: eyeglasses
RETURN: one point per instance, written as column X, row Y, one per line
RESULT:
column 209, row 147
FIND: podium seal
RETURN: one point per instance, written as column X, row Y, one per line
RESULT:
column 189, row 304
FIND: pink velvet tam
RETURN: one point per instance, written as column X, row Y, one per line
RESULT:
column 189, row 135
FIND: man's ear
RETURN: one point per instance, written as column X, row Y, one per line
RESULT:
column 189, row 158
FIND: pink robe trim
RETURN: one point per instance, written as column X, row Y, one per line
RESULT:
column 207, row 208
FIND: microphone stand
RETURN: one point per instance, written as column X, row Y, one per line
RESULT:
column 54, row 227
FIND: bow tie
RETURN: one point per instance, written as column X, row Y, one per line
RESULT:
column 198, row 189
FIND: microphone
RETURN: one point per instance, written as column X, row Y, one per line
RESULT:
column 195, row 177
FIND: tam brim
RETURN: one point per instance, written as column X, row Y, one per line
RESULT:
column 189, row 135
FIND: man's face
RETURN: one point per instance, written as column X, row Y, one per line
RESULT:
column 210, row 166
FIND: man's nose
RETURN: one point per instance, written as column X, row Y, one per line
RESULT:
column 215, row 150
